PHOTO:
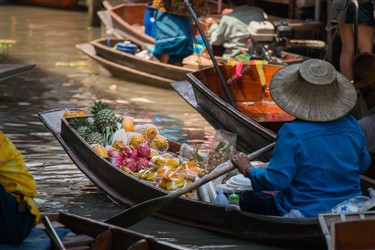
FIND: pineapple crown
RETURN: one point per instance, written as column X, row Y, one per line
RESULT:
column 98, row 106
column 79, row 122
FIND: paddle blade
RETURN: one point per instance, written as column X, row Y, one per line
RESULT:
column 139, row 212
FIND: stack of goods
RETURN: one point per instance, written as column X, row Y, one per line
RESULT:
column 140, row 150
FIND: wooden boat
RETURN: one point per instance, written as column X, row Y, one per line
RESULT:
column 65, row 4
column 10, row 70
column 349, row 231
column 125, row 72
column 104, row 48
column 85, row 233
column 255, row 118
column 129, row 190
column 127, row 21
column 128, row 18
column 254, row 130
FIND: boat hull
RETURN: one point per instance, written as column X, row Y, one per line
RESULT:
column 124, row 72
column 105, row 49
column 129, row 190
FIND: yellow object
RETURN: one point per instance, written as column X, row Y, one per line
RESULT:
column 160, row 143
column 165, row 161
column 172, row 182
column 136, row 139
column 260, row 70
column 149, row 131
column 100, row 150
column 153, row 153
column 15, row 177
column 128, row 124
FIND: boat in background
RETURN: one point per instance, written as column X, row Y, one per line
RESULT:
column 10, row 70
column 106, row 48
column 77, row 232
column 124, row 72
column 60, row 4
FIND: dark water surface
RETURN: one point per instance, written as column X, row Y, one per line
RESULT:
column 66, row 78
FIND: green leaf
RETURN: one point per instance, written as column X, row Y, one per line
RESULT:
column 221, row 145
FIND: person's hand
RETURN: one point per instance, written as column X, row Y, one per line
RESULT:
column 242, row 163
column 226, row 11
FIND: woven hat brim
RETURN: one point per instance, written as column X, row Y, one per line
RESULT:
column 308, row 102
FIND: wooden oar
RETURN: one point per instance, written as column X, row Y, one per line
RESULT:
column 52, row 234
column 142, row 210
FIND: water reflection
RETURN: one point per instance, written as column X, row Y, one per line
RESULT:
column 64, row 77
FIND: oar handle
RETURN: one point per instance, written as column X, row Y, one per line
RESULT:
column 221, row 170
column 52, row 234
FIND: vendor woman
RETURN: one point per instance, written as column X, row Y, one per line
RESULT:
column 319, row 157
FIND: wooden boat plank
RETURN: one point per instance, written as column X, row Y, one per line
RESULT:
column 124, row 72
column 10, row 70
column 328, row 222
column 186, row 211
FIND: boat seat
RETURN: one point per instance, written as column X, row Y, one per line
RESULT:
column 358, row 234
column 77, row 241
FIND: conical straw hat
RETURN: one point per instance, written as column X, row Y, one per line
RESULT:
column 313, row 91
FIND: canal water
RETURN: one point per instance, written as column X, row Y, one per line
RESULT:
column 66, row 78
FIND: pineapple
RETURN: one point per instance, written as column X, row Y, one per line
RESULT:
column 84, row 131
column 79, row 122
column 95, row 138
column 99, row 105
column 105, row 118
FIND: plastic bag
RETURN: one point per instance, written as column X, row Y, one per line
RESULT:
column 221, row 149
column 356, row 204
column 293, row 213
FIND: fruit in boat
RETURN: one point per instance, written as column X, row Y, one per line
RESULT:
column 153, row 153
column 172, row 182
column 95, row 138
column 84, row 131
column 162, row 160
column 135, row 139
column 143, row 150
column 105, row 118
column 100, row 150
column 99, row 105
column 149, row 131
column 160, row 143
column 127, row 123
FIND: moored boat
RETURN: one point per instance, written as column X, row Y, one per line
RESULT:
column 105, row 48
column 125, row 72
column 77, row 232
column 66, row 4
column 129, row 190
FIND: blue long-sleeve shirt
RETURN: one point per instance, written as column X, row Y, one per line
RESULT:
column 314, row 165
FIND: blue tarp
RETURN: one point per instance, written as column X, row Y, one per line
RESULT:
column 37, row 240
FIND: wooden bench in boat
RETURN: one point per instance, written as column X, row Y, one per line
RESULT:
column 348, row 230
